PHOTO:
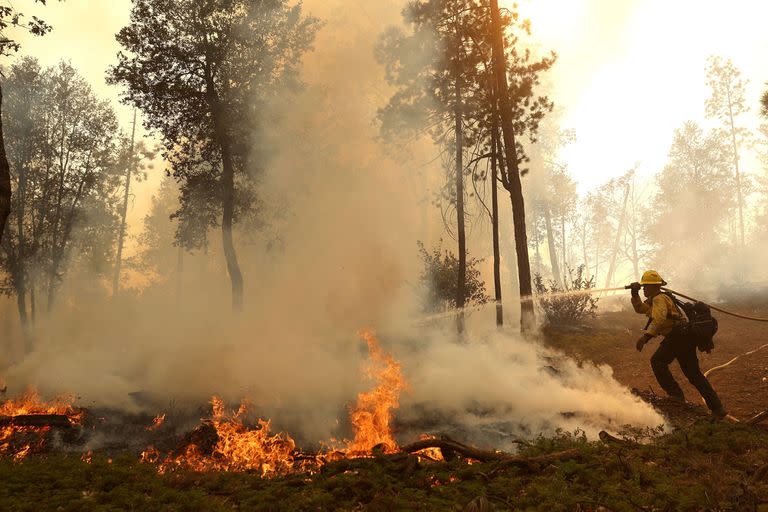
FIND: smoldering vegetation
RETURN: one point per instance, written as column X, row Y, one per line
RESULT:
column 326, row 216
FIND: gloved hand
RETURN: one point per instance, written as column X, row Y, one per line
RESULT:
column 635, row 287
column 641, row 342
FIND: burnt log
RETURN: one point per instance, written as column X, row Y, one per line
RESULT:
column 60, row 421
column 204, row 438
column 449, row 445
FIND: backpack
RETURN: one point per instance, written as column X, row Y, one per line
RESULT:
column 701, row 327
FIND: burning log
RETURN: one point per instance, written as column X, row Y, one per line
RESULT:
column 59, row 421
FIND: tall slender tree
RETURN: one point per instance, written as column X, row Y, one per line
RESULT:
column 11, row 18
column 728, row 103
column 512, row 126
column 200, row 70
column 62, row 141
column 445, row 85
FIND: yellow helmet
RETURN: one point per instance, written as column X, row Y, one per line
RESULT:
column 652, row 277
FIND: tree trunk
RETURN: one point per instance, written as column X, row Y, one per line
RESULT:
column 124, row 212
column 228, row 198
column 536, row 241
column 460, row 229
column 32, row 302
column 179, row 273
column 566, row 268
column 21, row 256
column 619, row 229
column 527, row 317
column 495, row 225
column 227, row 189
column 553, row 260
column 739, row 194
column 633, row 220
column 21, row 304
column 584, row 254
column 597, row 254
column 5, row 177
column 511, row 263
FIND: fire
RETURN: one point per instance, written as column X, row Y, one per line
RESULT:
column 429, row 454
column 226, row 443
column 237, row 447
column 157, row 422
column 372, row 414
column 19, row 440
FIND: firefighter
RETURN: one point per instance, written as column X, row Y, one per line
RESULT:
column 665, row 319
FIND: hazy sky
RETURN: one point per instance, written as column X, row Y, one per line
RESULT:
column 629, row 71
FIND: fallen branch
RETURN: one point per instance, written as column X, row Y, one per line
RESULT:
column 758, row 418
column 449, row 445
column 610, row 439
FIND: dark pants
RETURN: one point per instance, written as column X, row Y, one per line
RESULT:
column 677, row 346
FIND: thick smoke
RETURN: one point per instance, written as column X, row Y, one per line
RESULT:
column 345, row 259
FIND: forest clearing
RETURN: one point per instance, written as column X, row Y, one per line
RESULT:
column 464, row 255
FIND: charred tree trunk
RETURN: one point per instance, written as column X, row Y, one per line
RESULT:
column 124, row 212
column 495, row 224
column 514, row 184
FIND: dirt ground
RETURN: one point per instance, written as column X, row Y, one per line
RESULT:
column 742, row 386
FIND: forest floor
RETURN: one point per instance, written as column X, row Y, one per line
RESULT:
column 702, row 464
column 742, row 386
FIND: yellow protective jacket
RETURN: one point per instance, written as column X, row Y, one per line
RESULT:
column 661, row 310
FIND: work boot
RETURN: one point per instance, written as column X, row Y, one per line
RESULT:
column 719, row 413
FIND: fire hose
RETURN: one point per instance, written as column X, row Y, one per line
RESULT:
column 730, row 313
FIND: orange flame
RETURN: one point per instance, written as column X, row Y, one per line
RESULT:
column 429, row 454
column 238, row 448
column 157, row 422
column 372, row 414
column 30, row 403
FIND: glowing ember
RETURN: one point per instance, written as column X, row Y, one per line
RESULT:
column 372, row 414
column 157, row 422
column 20, row 440
column 430, row 454
column 236, row 447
